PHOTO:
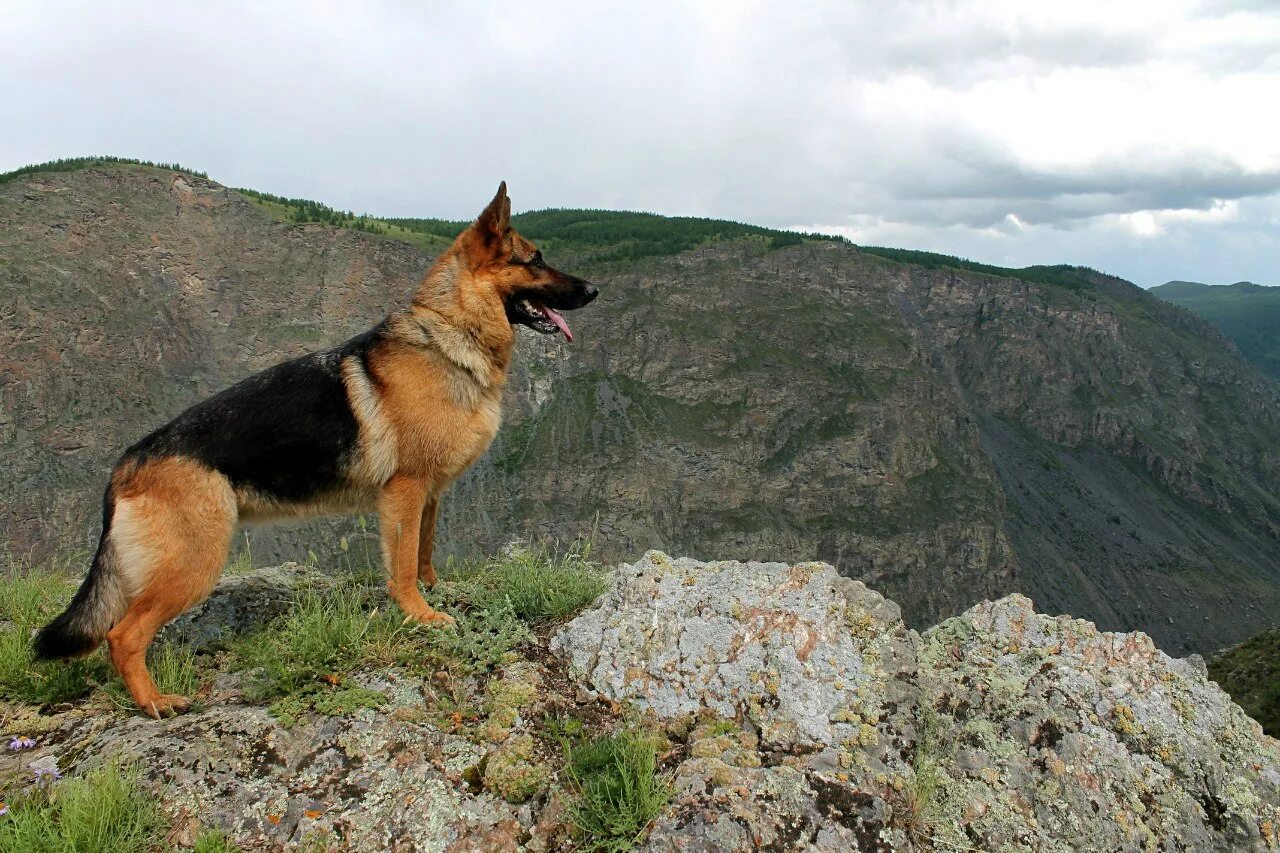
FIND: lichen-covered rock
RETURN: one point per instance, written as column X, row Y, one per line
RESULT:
column 370, row 781
column 809, row 657
column 1000, row 729
column 1052, row 735
column 724, row 799
column 794, row 710
column 506, row 695
column 819, row 669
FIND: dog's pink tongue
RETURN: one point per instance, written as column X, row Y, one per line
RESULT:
column 551, row 315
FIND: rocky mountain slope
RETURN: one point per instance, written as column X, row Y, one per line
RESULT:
column 1247, row 313
column 944, row 434
column 783, row 707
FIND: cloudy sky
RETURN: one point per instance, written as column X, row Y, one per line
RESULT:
column 1141, row 138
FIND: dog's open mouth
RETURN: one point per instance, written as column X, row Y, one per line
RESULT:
column 541, row 318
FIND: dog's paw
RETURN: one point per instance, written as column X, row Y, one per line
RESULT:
column 442, row 620
column 166, row 705
column 433, row 619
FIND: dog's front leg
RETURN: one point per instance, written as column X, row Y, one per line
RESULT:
column 426, row 536
column 400, row 511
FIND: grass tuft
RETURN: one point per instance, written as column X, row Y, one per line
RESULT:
column 214, row 841
column 29, row 597
column 616, row 789
column 325, row 633
column 919, row 800
column 104, row 811
column 541, row 585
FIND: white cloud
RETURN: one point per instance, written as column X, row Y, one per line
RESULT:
column 1140, row 136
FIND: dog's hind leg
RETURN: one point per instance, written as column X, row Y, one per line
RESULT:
column 172, row 534
column 400, row 514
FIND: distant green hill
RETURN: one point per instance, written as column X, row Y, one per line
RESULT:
column 1250, row 672
column 1247, row 313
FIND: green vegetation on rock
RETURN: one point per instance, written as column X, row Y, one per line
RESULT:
column 1250, row 672
column 104, row 811
column 1059, row 275
column 1247, row 313
column 71, row 164
column 304, row 659
column 31, row 595
column 616, row 787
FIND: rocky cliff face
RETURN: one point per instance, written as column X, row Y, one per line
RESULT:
column 794, row 708
column 943, row 435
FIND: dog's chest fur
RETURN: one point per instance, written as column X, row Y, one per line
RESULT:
column 441, row 417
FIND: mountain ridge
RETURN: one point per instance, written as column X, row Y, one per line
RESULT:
column 924, row 428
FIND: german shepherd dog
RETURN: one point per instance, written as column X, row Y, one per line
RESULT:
column 384, row 422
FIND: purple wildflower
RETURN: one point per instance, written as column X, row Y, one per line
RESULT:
column 47, row 775
column 4, row 809
column 20, row 743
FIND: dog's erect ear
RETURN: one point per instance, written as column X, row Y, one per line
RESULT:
column 494, row 224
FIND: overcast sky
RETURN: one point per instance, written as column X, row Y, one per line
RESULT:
column 1141, row 138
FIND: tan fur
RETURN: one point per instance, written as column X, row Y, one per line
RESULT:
column 376, row 460
column 174, row 521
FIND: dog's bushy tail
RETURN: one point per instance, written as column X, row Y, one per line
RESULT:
column 98, row 604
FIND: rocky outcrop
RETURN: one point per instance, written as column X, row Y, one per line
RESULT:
column 999, row 729
column 1048, row 728
column 797, row 711
column 243, row 602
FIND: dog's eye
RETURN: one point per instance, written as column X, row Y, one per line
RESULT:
column 534, row 261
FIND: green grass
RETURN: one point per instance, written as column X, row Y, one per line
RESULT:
column 615, row 788
column 919, row 800
column 1250, row 673
column 325, row 633
column 214, row 841
column 303, row 660
column 104, row 811
column 30, row 596
column 541, row 585
column 172, row 666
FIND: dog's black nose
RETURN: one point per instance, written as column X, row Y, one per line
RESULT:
column 591, row 292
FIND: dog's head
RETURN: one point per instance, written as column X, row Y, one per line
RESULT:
column 532, row 292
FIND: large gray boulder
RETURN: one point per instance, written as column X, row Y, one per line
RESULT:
column 242, row 603
column 816, row 671
column 1001, row 729
column 810, row 658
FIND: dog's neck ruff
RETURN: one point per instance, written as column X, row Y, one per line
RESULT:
column 438, row 320
column 432, row 330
